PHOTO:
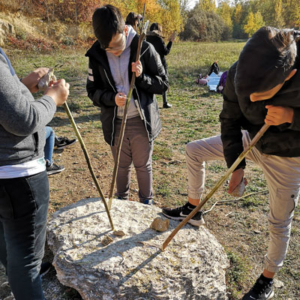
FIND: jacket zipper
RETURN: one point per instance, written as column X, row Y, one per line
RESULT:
column 113, row 121
column 141, row 112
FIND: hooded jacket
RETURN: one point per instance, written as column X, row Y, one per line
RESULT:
column 156, row 40
column 240, row 113
column 102, row 89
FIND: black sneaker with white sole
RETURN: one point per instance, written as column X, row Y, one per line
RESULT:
column 63, row 142
column 262, row 290
column 180, row 213
column 53, row 168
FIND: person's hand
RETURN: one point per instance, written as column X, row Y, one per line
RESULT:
column 172, row 37
column 31, row 81
column 59, row 91
column 236, row 179
column 278, row 115
column 120, row 99
column 137, row 68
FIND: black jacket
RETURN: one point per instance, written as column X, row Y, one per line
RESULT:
column 102, row 90
column 160, row 47
column 237, row 113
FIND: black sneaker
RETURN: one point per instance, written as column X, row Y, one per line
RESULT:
column 45, row 268
column 167, row 105
column 262, row 290
column 53, row 168
column 62, row 142
column 182, row 212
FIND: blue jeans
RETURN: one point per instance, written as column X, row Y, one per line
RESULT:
column 49, row 146
column 23, row 219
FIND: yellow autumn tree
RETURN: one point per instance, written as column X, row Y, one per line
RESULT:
column 170, row 17
column 208, row 5
column 238, row 13
column 279, row 21
column 165, row 12
column 225, row 12
column 254, row 22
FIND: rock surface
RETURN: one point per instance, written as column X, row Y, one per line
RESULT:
column 132, row 266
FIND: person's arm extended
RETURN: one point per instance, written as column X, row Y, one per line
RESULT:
column 19, row 113
column 100, row 95
column 153, row 79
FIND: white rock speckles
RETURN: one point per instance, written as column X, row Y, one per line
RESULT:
column 132, row 266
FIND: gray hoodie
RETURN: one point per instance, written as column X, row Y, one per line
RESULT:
column 119, row 69
column 22, row 119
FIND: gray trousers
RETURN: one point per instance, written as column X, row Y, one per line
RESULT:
column 136, row 149
column 283, row 178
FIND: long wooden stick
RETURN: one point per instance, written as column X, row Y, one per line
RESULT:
column 66, row 107
column 124, row 122
column 219, row 183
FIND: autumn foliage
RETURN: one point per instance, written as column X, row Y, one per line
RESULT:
column 210, row 20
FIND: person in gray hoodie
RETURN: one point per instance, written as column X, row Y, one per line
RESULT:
column 111, row 64
column 24, row 187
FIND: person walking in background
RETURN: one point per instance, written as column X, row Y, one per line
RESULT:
column 111, row 65
column 155, row 37
column 24, row 186
column 134, row 20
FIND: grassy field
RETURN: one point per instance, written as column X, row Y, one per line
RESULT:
column 240, row 226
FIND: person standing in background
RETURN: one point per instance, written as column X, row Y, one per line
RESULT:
column 155, row 37
column 134, row 20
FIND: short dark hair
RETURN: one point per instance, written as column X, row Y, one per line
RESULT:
column 132, row 18
column 107, row 21
column 265, row 61
column 156, row 26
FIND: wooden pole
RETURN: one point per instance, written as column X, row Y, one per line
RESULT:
column 219, row 183
column 66, row 107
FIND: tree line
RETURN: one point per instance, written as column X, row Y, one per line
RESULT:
column 238, row 19
column 209, row 20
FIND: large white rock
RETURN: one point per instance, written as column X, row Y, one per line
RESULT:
column 133, row 267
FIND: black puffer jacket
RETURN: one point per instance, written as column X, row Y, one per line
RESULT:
column 102, row 90
column 237, row 113
column 160, row 47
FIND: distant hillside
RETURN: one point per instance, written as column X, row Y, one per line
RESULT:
column 29, row 32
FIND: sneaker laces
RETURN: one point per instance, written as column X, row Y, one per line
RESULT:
column 260, row 286
column 185, row 206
